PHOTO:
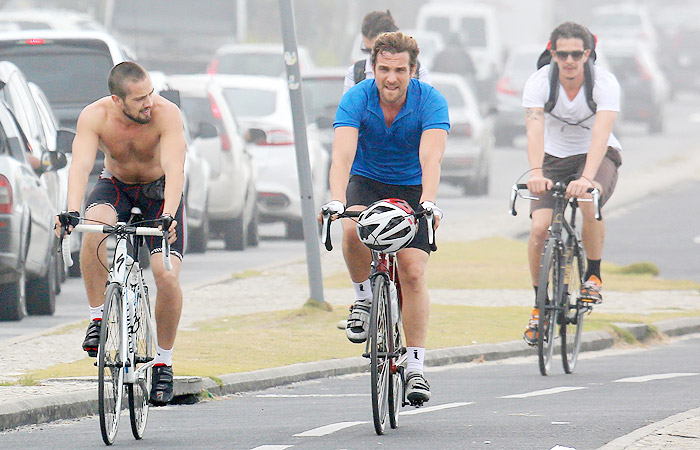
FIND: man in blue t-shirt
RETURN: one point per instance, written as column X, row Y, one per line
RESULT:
column 390, row 135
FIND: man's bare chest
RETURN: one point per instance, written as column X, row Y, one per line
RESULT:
column 130, row 146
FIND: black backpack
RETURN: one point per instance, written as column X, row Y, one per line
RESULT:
column 545, row 58
column 358, row 70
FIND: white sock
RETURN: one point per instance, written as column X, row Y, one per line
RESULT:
column 416, row 356
column 163, row 356
column 96, row 313
column 363, row 290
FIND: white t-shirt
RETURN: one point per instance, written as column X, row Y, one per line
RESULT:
column 423, row 75
column 562, row 139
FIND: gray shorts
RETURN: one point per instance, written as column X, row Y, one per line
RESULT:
column 571, row 167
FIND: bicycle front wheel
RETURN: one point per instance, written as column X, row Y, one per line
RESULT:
column 572, row 325
column 139, row 391
column 396, row 377
column 380, row 361
column 547, row 299
column 110, row 364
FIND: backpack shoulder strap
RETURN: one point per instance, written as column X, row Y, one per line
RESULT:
column 588, row 81
column 553, row 88
column 417, row 75
column 359, row 70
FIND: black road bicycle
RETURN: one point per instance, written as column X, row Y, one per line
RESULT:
column 385, row 347
column 562, row 269
column 127, row 335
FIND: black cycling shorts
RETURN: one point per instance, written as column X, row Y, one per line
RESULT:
column 365, row 191
column 148, row 198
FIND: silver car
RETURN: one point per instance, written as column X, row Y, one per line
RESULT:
column 27, row 242
column 263, row 103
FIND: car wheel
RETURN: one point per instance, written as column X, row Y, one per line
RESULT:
column 41, row 292
column 295, row 230
column 13, row 304
column 253, row 232
column 234, row 235
column 198, row 238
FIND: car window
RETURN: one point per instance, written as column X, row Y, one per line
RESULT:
column 451, row 93
column 175, row 16
column 66, row 73
column 439, row 24
column 251, row 102
column 624, row 67
column 321, row 96
column 474, row 28
column 270, row 64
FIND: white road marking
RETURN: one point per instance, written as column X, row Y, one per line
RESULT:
column 659, row 376
column 544, row 392
column 328, row 429
column 434, row 408
column 309, row 395
column 272, row 447
column 559, row 447
column 561, row 423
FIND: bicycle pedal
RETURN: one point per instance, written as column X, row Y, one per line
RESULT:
column 143, row 359
column 416, row 403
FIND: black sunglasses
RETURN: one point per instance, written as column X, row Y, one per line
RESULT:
column 576, row 55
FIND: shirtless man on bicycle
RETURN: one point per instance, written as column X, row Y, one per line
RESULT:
column 570, row 143
column 390, row 135
column 141, row 136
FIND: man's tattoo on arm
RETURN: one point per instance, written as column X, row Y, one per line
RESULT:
column 533, row 113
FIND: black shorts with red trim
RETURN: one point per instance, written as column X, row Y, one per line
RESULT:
column 148, row 197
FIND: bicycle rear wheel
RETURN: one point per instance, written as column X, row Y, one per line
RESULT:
column 139, row 391
column 110, row 364
column 572, row 325
column 396, row 377
column 547, row 298
column 380, row 362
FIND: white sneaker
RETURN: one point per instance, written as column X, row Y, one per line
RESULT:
column 358, row 321
column 417, row 388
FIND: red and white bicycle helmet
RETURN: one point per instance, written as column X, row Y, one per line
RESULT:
column 387, row 225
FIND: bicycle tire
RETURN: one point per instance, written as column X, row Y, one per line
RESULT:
column 572, row 326
column 380, row 366
column 396, row 376
column 547, row 295
column 110, row 367
column 139, row 391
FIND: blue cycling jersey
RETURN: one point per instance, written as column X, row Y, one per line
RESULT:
column 390, row 154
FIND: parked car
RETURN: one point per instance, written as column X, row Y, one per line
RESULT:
column 27, row 242
column 478, row 25
column 47, row 19
column 263, row 105
column 626, row 21
column 467, row 159
column 71, row 67
column 197, row 170
column 232, row 195
column 256, row 59
column 644, row 86
column 510, row 115
column 322, row 90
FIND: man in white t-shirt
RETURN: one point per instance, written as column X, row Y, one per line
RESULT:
column 574, row 144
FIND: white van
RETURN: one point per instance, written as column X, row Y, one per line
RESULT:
column 478, row 25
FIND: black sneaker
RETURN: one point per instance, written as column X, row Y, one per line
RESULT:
column 92, row 337
column 162, row 390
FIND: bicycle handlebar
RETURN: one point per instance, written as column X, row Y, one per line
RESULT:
column 326, row 215
column 119, row 228
column 560, row 188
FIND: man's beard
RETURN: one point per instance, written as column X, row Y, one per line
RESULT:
column 137, row 119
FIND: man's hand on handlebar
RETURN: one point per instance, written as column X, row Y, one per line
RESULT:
column 433, row 209
column 538, row 184
column 167, row 221
column 66, row 220
column 335, row 207
column 579, row 188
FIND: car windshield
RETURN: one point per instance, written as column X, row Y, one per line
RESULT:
column 321, row 96
column 624, row 66
column 66, row 73
column 269, row 64
column 474, row 28
column 186, row 16
column 451, row 93
column 250, row 102
column 197, row 109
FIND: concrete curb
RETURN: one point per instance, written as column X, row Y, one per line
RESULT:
column 84, row 403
